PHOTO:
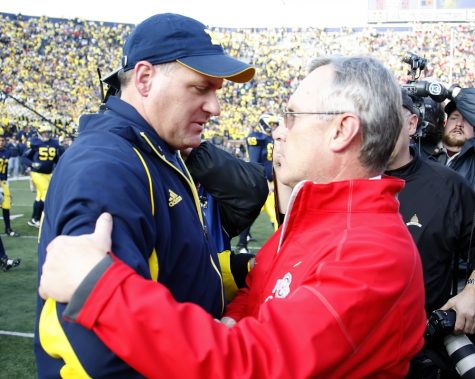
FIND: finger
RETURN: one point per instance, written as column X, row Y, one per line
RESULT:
column 446, row 306
column 103, row 231
column 468, row 327
column 459, row 324
column 228, row 321
column 42, row 288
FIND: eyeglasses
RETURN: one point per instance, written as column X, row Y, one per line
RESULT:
column 289, row 117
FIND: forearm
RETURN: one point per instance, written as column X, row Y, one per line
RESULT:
column 464, row 305
column 470, row 288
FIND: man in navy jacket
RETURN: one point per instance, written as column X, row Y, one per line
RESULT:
column 126, row 161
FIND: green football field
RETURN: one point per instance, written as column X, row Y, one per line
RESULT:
column 18, row 286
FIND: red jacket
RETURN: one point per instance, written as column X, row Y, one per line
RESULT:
column 337, row 292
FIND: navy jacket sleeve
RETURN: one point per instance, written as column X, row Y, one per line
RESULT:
column 90, row 181
column 465, row 102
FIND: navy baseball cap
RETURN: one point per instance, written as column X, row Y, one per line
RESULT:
column 170, row 37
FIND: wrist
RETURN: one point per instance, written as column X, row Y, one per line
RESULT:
column 470, row 282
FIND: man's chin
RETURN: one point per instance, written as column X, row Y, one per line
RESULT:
column 193, row 143
column 283, row 178
column 451, row 141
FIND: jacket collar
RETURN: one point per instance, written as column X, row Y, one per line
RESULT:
column 349, row 196
column 130, row 125
column 408, row 170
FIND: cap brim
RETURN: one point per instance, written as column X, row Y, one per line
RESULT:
column 220, row 66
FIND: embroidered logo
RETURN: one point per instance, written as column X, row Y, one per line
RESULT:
column 174, row 199
column 282, row 287
column 414, row 221
column 215, row 40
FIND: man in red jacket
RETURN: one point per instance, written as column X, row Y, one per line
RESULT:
column 336, row 292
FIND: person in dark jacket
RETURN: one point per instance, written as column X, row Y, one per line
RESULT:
column 427, row 140
column 232, row 193
column 458, row 139
column 437, row 206
column 126, row 160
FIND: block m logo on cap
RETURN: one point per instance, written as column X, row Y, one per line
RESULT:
column 215, row 40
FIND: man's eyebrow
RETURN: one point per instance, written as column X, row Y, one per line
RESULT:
column 208, row 83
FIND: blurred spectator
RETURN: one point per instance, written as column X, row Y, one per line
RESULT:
column 14, row 162
column 6, row 201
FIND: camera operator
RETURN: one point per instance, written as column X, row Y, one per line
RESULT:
column 428, row 138
column 437, row 206
column 458, row 138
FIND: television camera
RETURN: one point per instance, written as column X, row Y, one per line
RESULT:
column 422, row 91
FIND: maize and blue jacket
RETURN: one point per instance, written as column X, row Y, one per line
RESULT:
column 120, row 165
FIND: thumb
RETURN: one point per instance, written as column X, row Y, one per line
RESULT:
column 103, row 232
column 446, row 306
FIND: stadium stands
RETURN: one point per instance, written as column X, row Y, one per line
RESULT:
column 51, row 64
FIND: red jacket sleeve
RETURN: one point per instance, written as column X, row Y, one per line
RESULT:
column 296, row 337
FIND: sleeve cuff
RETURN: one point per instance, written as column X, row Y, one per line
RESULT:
column 85, row 288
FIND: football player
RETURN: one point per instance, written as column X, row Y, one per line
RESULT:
column 5, row 262
column 260, row 146
column 6, row 198
column 41, row 157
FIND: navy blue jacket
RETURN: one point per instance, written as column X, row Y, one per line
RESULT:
column 120, row 165
column 464, row 162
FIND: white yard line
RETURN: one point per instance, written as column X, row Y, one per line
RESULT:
column 17, row 334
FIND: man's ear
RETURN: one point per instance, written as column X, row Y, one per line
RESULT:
column 413, row 121
column 143, row 77
column 346, row 128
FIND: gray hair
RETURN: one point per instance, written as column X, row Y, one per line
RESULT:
column 364, row 86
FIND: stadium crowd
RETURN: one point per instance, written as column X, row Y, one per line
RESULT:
column 51, row 65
